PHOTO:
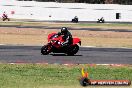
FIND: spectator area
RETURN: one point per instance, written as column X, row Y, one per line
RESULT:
column 53, row 11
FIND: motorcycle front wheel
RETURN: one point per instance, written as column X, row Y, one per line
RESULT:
column 46, row 49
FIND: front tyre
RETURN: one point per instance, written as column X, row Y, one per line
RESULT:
column 46, row 49
column 73, row 50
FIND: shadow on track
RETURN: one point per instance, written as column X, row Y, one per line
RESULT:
column 64, row 55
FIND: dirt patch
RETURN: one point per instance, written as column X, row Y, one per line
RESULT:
column 32, row 36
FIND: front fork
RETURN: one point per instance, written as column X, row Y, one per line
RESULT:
column 49, row 46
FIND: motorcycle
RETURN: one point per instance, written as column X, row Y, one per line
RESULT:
column 54, row 45
column 5, row 18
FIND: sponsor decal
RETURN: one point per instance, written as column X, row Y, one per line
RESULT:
column 85, row 81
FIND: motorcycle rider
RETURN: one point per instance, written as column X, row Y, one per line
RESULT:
column 67, row 37
column 5, row 17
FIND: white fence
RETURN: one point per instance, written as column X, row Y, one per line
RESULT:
column 52, row 11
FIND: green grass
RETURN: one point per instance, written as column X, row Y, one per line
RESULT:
column 106, row 24
column 65, row 24
column 40, row 76
column 20, row 23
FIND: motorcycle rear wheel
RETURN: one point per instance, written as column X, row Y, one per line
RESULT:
column 73, row 50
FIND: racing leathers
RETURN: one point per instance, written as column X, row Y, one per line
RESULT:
column 67, row 37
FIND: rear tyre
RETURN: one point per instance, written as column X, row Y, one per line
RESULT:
column 8, row 19
column 73, row 50
column 46, row 49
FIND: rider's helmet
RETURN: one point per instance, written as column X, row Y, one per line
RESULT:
column 64, row 30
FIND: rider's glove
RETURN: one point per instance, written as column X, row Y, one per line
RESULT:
column 62, row 44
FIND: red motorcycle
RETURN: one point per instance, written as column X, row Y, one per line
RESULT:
column 54, row 45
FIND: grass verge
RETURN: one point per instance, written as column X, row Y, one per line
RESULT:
column 56, row 76
column 85, row 25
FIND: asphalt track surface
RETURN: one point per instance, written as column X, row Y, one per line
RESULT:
column 31, row 54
